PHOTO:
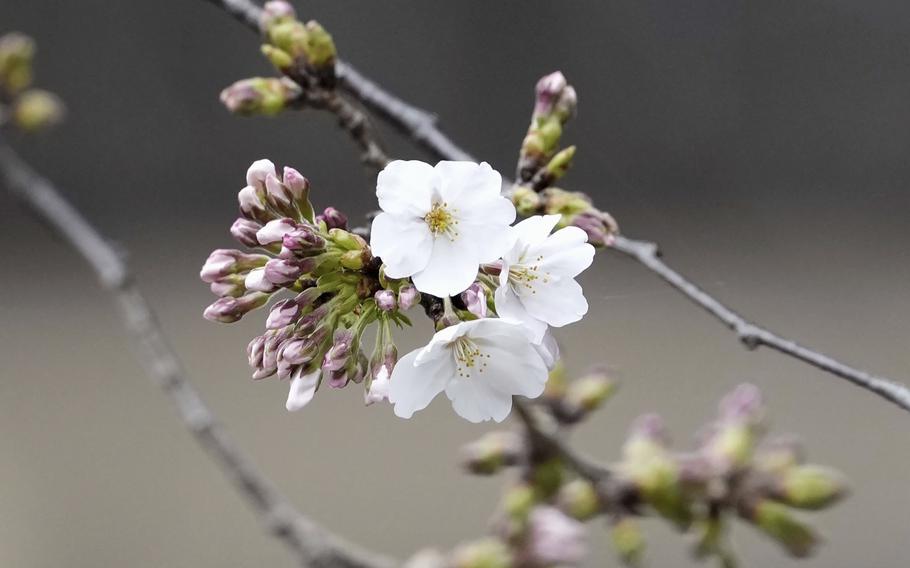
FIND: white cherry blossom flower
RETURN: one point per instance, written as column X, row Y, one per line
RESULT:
column 537, row 284
column 440, row 223
column 479, row 364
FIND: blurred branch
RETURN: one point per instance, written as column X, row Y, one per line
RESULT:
column 311, row 544
column 421, row 127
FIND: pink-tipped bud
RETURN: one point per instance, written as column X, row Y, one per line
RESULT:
column 555, row 539
column 548, row 89
column 407, row 297
column 281, row 272
column 275, row 230
column 333, row 218
column 282, row 314
column 274, row 11
column 244, row 230
column 257, row 281
column 229, row 310
column 385, row 300
column 298, row 185
column 475, row 299
column 225, row 262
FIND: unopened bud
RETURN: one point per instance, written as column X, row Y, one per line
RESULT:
column 778, row 522
column 260, row 95
column 225, row 262
column 527, row 201
column 486, row 553
column 492, row 452
column 810, row 487
column 256, row 280
column 232, row 285
column 274, row 11
column 628, row 541
column 600, row 227
column 548, row 89
column 333, row 218
column 559, row 164
column 385, row 300
column 282, row 314
column 244, row 230
column 778, row 455
column 554, row 539
column 229, row 310
column 16, row 54
column 475, row 299
column 587, row 394
column 275, row 230
column 579, row 499
column 282, row 272
column 355, row 259
column 408, row 296
column 36, row 110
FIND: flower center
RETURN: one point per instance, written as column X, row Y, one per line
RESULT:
column 525, row 276
column 468, row 357
column 442, row 221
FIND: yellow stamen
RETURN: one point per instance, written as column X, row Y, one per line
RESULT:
column 442, row 221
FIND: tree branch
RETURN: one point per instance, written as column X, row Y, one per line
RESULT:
column 421, row 127
column 311, row 544
column 751, row 334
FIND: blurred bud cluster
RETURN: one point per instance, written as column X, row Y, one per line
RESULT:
column 22, row 105
column 732, row 473
column 542, row 163
column 303, row 53
column 336, row 289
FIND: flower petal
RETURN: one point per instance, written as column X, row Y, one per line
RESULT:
column 450, row 270
column 303, row 388
column 509, row 307
column 536, row 229
column 403, row 243
column 475, row 401
column 405, row 187
column 514, row 367
column 565, row 253
column 558, row 303
column 463, row 182
column 548, row 349
column 413, row 387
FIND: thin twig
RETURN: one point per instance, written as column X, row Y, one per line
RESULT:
column 754, row 336
column 353, row 121
column 310, row 543
column 421, row 126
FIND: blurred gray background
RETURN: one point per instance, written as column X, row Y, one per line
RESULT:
column 762, row 143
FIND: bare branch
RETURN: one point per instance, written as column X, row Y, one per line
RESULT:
column 310, row 543
column 754, row 336
column 421, row 127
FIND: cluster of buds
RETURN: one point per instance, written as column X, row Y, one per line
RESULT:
column 27, row 108
column 303, row 53
column 333, row 286
column 542, row 163
column 299, row 50
column 731, row 473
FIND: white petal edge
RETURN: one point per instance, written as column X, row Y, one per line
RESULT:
column 405, row 187
column 404, row 244
column 303, row 388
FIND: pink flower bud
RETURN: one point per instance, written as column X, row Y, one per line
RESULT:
column 385, row 299
column 298, row 185
column 244, row 230
column 333, row 218
column 475, row 299
column 280, row 271
column 407, row 296
column 548, row 89
column 274, row 231
column 229, row 310
column 555, row 539
column 282, row 314
column 257, row 281
column 225, row 262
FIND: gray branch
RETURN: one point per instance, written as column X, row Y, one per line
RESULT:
column 421, row 126
column 311, row 544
